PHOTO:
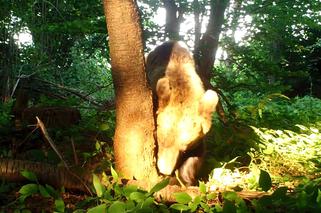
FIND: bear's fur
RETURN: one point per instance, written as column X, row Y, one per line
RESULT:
column 183, row 110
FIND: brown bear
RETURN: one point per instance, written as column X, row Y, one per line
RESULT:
column 183, row 110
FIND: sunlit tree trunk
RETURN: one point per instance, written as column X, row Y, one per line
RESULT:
column 134, row 143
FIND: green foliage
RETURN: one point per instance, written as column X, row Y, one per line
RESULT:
column 265, row 181
column 267, row 110
column 118, row 198
column 287, row 137
column 35, row 188
column 29, row 175
column 5, row 115
column 294, row 152
column 45, row 101
column 279, row 52
column 305, row 198
column 276, row 138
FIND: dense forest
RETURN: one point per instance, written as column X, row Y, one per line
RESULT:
column 78, row 113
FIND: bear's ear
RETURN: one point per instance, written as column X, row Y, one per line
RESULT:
column 163, row 91
column 207, row 106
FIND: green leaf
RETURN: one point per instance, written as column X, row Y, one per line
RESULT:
column 43, row 191
column 130, row 204
column 319, row 197
column 128, row 189
column 159, row 186
column 117, row 207
column 269, row 149
column 302, row 200
column 114, row 174
column 22, row 198
column 98, row 209
column 53, row 193
column 202, row 187
column 197, row 200
column 137, row 196
column 59, row 205
column 179, row 207
column 192, row 207
column 29, row 175
column 260, row 113
column 205, row 207
column 265, row 181
column 280, row 192
column 231, row 196
column 182, row 197
column 148, row 202
column 211, row 196
column 218, row 208
column 29, row 189
column 118, row 190
column 99, row 188
column 104, row 127
column 229, row 207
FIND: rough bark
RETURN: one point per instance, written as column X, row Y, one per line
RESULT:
column 205, row 54
column 134, row 143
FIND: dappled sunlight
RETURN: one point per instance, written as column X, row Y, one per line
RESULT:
column 287, row 156
column 289, row 152
column 226, row 179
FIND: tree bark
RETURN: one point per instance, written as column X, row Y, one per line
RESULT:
column 134, row 143
column 173, row 19
column 197, row 24
column 205, row 54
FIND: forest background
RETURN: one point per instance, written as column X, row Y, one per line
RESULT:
column 267, row 72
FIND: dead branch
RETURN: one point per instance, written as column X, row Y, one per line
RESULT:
column 46, row 173
column 50, row 141
column 72, row 91
column 54, row 147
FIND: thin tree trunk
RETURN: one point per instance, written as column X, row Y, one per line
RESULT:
column 205, row 54
column 198, row 24
column 134, row 143
column 236, row 17
column 172, row 24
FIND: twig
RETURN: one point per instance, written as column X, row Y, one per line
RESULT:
column 44, row 131
column 74, row 151
column 72, row 91
column 50, row 141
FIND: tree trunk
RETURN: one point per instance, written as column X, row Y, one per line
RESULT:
column 197, row 24
column 205, row 54
column 173, row 19
column 134, row 143
column 235, row 17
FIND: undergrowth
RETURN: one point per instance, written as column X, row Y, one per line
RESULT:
column 271, row 143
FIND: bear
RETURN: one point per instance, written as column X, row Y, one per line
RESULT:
column 182, row 108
